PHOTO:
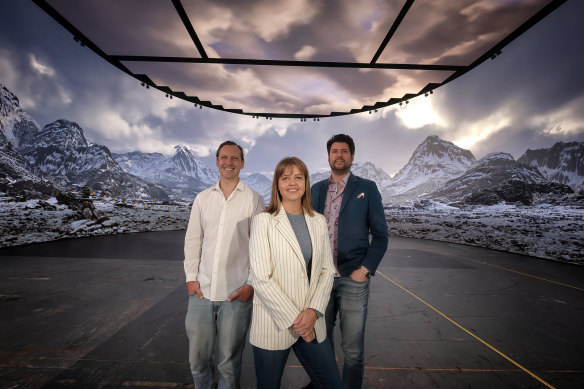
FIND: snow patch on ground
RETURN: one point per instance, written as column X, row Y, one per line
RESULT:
column 544, row 231
column 30, row 222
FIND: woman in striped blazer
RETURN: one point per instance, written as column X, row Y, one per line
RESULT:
column 292, row 276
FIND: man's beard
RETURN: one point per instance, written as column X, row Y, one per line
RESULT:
column 346, row 168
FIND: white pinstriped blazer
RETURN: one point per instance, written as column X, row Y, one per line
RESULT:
column 280, row 280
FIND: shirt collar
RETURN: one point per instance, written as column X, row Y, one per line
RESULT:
column 343, row 181
column 240, row 186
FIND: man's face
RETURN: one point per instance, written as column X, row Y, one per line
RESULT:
column 340, row 158
column 229, row 162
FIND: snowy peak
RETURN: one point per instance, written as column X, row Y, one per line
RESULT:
column 61, row 151
column 435, row 153
column 17, row 125
column 433, row 149
column 185, row 161
column 260, row 184
column 498, row 178
column 562, row 163
column 371, row 172
column 181, row 170
column 138, row 163
column 498, row 167
column 62, row 134
column 8, row 102
column 433, row 163
column 9, row 107
column 496, row 158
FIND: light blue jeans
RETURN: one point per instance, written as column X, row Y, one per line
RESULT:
column 225, row 321
column 349, row 300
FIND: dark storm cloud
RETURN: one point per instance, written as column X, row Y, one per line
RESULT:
column 535, row 78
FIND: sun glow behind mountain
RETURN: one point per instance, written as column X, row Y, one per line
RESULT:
column 419, row 113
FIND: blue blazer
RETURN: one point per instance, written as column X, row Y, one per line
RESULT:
column 361, row 213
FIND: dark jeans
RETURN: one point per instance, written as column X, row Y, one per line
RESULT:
column 317, row 359
column 349, row 300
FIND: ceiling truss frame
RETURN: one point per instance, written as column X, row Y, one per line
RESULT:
column 458, row 70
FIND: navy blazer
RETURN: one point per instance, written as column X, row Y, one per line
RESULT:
column 361, row 213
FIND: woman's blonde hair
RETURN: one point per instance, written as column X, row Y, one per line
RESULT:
column 276, row 197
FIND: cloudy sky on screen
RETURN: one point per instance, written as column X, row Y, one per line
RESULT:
column 531, row 96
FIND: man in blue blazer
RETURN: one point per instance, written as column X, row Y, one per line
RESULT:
column 353, row 210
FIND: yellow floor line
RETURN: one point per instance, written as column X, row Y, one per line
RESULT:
column 511, row 270
column 468, row 332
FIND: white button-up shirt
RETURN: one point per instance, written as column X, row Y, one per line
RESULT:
column 217, row 240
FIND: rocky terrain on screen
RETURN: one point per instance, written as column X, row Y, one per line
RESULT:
column 545, row 231
column 532, row 205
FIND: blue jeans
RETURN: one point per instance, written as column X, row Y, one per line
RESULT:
column 318, row 359
column 349, row 299
column 226, row 321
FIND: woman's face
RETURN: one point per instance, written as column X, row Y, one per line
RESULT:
column 291, row 184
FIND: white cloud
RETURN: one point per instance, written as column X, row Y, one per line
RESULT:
column 281, row 131
column 201, row 151
column 305, row 53
column 270, row 20
column 566, row 120
column 40, row 68
column 34, row 93
column 485, row 128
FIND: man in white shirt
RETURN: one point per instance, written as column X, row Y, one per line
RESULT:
column 217, row 272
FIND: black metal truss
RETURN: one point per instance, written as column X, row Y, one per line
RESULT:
column 457, row 70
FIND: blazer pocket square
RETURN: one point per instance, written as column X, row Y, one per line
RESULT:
column 361, row 195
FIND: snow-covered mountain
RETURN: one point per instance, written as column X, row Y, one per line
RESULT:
column 498, row 178
column 35, row 160
column 17, row 125
column 178, row 171
column 17, row 176
column 61, row 151
column 362, row 169
column 562, row 163
column 183, row 173
column 433, row 163
column 260, row 184
column 60, row 154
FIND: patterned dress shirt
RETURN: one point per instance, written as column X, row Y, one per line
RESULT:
column 332, row 209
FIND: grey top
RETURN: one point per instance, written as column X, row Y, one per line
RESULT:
column 301, row 230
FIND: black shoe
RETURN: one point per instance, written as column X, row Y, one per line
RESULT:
column 309, row 386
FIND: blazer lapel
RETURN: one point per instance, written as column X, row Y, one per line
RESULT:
column 349, row 189
column 285, row 228
column 322, row 196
